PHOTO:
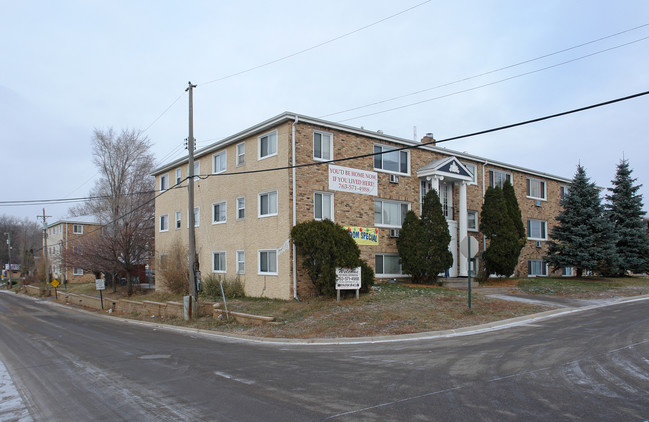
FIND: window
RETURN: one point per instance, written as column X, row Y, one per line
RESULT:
column 387, row 264
column 536, row 267
column 389, row 160
column 241, row 262
column 241, row 154
column 77, row 271
column 164, row 261
column 536, row 229
column 218, row 213
column 267, row 204
column 241, row 208
column 179, row 176
column 197, row 217
column 323, row 206
column 268, row 262
column 218, row 262
column 535, row 188
column 473, row 170
column 76, row 250
column 164, row 223
column 164, row 182
column 322, row 146
column 497, row 178
column 77, row 228
column 178, row 219
column 197, row 170
column 472, row 220
column 563, row 191
column 268, row 145
column 390, row 213
column 219, row 162
column 567, row 271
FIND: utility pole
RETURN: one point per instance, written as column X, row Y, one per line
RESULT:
column 191, row 256
column 9, row 246
column 45, row 256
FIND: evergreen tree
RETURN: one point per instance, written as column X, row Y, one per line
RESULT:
column 501, row 256
column 583, row 238
column 514, row 212
column 411, row 245
column 625, row 212
column 435, row 229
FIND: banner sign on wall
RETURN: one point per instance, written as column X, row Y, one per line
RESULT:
column 364, row 235
column 352, row 180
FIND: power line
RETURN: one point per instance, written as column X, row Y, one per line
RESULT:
column 490, row 71
column 317, row 45
column 488, row 84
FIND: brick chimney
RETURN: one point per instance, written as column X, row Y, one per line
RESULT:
column 428, row 139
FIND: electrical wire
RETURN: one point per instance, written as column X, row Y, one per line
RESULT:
column 316, row 46
column 486, row 73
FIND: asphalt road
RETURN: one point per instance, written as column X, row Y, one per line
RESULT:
column 76, row 366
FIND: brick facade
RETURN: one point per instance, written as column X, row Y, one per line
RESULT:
column 256, row 233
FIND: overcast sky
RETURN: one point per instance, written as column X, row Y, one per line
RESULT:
column 68, row 67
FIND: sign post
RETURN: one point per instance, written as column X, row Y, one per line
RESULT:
column 100, row 283
column 469, row 247
column 348, row 279
column 55, row 283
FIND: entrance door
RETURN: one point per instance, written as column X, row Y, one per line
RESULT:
column 452, row 246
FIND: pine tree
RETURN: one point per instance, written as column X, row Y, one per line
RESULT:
column 624, row 210
column 435, row 229
column 514, row 212
column 411, row 245
column 584, row 238
column 501, row 255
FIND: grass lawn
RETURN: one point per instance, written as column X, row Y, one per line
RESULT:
column 389, row 308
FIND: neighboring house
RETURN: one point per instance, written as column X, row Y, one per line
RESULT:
column 14, row 272
column 244, row 217
column 64, row 239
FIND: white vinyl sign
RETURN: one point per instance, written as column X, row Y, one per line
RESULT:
column 352, row 180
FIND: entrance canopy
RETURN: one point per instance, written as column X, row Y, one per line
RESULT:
column 449, row 168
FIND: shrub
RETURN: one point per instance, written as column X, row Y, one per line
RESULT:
column 174, row 272
column 211, row 287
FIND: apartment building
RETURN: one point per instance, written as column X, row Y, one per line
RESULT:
column 254, row 186
column 63, row 241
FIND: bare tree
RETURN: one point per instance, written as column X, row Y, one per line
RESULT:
column 25, row 239
column 122, row 202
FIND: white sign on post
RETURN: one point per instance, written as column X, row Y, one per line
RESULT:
column 100, row 283
column 348, row 278
column 464, row 247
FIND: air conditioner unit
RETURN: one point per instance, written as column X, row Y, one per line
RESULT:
column 539, row 244
column 537, row 203
column 394, row 178
column 394, row 232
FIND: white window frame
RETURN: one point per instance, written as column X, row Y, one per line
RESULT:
column 259, row 199
column 163, row 221
column 543, row 228
column 225, row 212
column 220, row 157
column 567, row 271
column 474, row 173
column 164, row 182
column 241, row 153
column 544, row 268
column 179, row 219
column 241, row 262
column 330, row 150
column 543, row 187
column 259, row 261
column 322, row 196
column 77, row 229
column 241, row 207
column 270, row 135
column 563, row 192
column 500, row 183
column 77, row 271
column 380, row 157
column 197, row 170
column 197, row 217
column 179, row 175
column 225, row 261
column 400, row 203
column 384, row 274
column 475, row 218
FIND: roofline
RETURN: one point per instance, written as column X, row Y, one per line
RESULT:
column 289, row 116
column 72, row 221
